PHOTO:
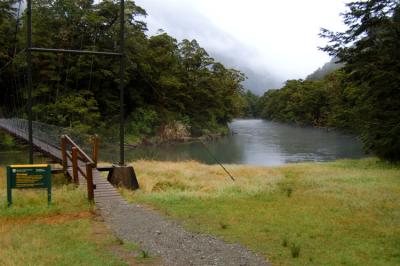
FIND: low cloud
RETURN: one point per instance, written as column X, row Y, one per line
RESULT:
column 183, row 22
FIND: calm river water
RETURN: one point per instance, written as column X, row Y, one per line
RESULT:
column 254, row 142
column 258, row 142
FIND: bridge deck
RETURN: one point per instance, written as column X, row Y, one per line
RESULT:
column 103, row 189
column 43, row 147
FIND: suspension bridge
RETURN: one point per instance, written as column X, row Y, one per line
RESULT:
column 60, row 148
column 50, row 140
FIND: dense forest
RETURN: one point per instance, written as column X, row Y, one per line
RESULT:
column 330, row 102
column 168, row 83
column 326, row 69
column 177, row 86
column 364, row 95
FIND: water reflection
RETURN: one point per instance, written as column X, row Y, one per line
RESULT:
column 270, row 143
column 256, row 142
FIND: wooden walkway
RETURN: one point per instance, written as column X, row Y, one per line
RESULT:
column 103, row 190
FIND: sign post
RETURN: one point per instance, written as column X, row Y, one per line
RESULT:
column 28, row 176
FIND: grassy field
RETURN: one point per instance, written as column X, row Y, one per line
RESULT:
column 340, row 213
column 65, row 233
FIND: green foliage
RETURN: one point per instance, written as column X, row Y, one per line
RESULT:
column 6, row 141
column 295, row 250
column 325, row 70
column 363, row 96
column 77, row 111
column 370, row 50
column 143, row 122
column 144, row 254
column 251, row 101
column 166, row 80
column 301, row 102
column 285, row 242
column 331, row 102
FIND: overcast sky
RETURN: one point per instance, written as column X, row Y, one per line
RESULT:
column 270, row 40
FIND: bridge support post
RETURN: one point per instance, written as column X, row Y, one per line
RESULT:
column 122, row 175
column 29, row 75
column 95, row 151
column 89, row 181
column 75, row 165
column 64, row 153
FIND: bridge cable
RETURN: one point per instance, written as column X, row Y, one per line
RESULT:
column 12, row 60
column 215, row 159
column 14, row 73
column 92, row 61
column 202, row 143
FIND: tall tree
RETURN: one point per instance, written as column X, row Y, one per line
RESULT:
column 370, row 50
column 8, row 50
column 166, row 80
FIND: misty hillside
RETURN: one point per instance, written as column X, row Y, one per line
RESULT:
column 258, row 81
column 326, row 69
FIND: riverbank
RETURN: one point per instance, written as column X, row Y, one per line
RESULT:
column 135, row 141
column 175, row 134
column 343, row 212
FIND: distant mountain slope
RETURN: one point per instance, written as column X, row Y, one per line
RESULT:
column 258, row 80
column 326, row 69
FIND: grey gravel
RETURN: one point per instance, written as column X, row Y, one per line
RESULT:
column 164, row 238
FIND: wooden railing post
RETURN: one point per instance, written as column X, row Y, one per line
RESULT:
column 95, row 151
column 75, row 165
column 64, row 153
column 89, row 181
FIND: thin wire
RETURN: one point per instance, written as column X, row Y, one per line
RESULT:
column 12, row 60
column 17, row 28
column 14, row 78
column 79, row 65
column 91, row 64
column 212, row 155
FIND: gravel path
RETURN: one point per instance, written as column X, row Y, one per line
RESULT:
column 167, row 239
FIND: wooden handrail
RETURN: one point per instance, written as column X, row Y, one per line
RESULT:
column 76, row 155
column 89, row 179
column 75, row 165
column 82, row 172
column 64, row 153
column 82, row 154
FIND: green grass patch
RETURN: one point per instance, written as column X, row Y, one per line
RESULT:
column 45, row 243
column 66, row 198
column 64, row 233
column 345, row 212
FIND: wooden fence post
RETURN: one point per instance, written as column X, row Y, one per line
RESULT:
column 95, row 151
column 75, row 165
column 89, row 181
column 64, row 153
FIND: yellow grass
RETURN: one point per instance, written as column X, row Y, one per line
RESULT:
column 345, row 212
column 194, row 178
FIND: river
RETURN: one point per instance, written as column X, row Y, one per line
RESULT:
column 257, row 142
column 254, row 142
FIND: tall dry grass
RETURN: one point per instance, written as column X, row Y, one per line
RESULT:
column 196, row 179
column 343, row 212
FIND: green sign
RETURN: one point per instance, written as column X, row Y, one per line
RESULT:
column 28, row 176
